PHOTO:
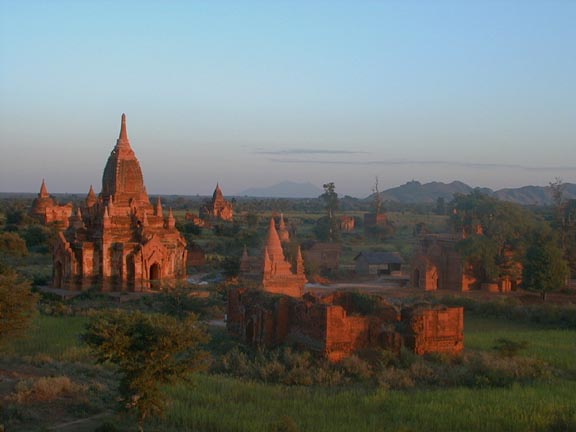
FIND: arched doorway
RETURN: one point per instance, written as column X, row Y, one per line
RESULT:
column 155, row 276
column 130, row 272
column 250, row 330
column 416, row 278
column 57, row 279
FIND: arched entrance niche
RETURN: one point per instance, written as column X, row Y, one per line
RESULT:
column 57, row 282
column 155, row 276
column 416, row 278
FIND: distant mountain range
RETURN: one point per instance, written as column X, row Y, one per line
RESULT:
column 285, row 189
column 416, row 192
column 410, row 193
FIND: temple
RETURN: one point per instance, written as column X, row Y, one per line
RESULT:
column 119, row 240
column 271, row 272
column 47, row 211
column 270, row 308
column 218, row 207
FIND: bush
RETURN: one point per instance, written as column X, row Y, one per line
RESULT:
column 45, row 389
column 355, row 367
column 394, row 378
column 509, row 348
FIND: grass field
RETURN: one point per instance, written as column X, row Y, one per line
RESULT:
column 54, row 337
column 225, row 404
column 557, row 347
column 217, row 403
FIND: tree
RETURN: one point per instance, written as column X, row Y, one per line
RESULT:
column 331, row 203
column 377, row 198
column 12, row 244
column 440, row 208
column 564, row 221
column 496, row 234
column 545, row 269
column 150, row 350
column 17, row 305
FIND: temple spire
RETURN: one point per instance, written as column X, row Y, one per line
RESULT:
column 171, row 221
column 217, row 192
column 44, row 190
column 283, row 233
column 299, row 262
column 158, row 207
column 91, row 197
column 273, row 244
column 123, row 140
column 123, row 133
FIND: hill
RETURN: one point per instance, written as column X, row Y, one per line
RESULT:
column 416, row 192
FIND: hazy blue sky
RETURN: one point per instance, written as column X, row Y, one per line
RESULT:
column 252, row 93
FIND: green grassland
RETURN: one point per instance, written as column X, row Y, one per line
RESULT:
column 225, row 404
column 556, row 347
column 221, row 403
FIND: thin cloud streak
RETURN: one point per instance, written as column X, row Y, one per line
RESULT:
column 478, row 165
column 307, row 152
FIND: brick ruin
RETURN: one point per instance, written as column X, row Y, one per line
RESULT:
column 375, row 219
column 217, row 208
column 438, row 265
column 323, row 256
column 270, row 308
column 336, row 326
column 119, row 240
column 347, row 223
column 47, row 211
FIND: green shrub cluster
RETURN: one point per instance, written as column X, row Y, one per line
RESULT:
column 383, row 368
column 562, row 316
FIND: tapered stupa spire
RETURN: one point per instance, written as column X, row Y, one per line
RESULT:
column 283, row 233
column 158, row 211
column 171, row 220
column 217, row 195
column 91, row 198
column 273, row 244
column 43, row 190
column 123, row 132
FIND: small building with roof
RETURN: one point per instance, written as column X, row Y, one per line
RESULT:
column 378, row 263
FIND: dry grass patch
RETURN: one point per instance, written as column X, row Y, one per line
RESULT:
column 45, row 389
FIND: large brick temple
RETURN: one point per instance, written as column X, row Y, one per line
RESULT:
column 118, row 240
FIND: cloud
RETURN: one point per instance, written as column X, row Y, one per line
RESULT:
column 460, row 164
column 308, row 152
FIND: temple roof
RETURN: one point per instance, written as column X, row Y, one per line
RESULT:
column 122, row 179
column 380, row 257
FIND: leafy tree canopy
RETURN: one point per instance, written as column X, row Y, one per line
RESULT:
column 497, row 234
column 150, row 350
column 17, row 304
column 545, row 269
column 12, row 244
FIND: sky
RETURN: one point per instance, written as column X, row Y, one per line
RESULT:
column 252, row 93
